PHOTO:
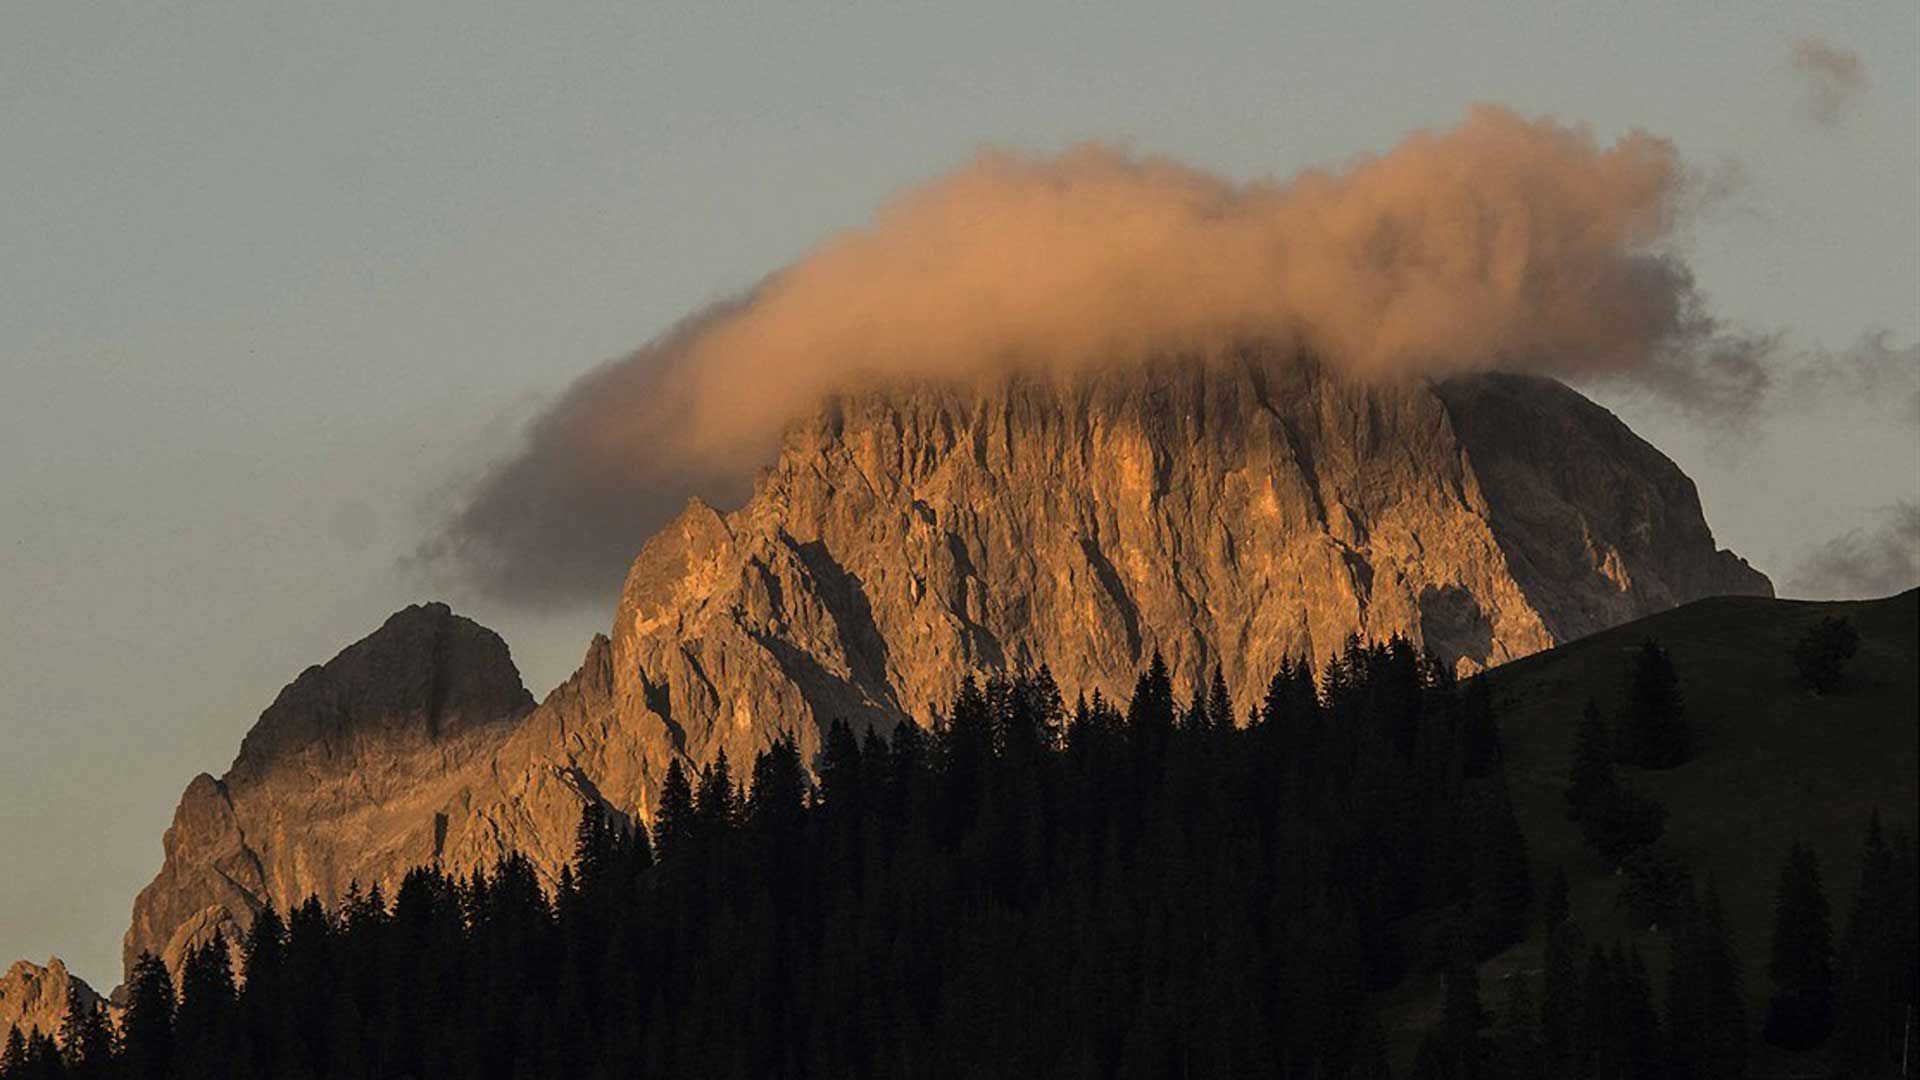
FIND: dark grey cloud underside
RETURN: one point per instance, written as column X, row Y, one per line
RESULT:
column 1863, row 563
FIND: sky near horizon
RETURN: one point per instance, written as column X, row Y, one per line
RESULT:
column 276, row 279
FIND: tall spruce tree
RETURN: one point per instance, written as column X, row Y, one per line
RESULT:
column 1463, row 1018
column 87, row 1036
column 1877, row 961
column 146, row 1031
column 1562, row 996
column 206, row 1017
column 1479, row 733
column 13, row 1056
column 1654, row 730
column 1592, row 781
column 1517, row 1053
column 1800, row 1015
column 1644, row 1055
column 673, row 823
column 1706, row 1014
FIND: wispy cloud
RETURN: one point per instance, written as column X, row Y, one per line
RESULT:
column 1833, row 80
column 1870, row 561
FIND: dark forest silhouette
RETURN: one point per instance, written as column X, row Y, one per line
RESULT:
column 1165, row 889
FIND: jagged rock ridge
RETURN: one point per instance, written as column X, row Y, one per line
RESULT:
column 1230, row 513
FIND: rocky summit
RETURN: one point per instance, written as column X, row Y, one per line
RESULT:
column 1229, row 514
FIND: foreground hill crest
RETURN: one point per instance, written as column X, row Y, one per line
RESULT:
column 1219, row 514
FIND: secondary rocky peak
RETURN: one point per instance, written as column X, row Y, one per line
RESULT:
column 34, row 996
column 426, row 675
column 351, row 774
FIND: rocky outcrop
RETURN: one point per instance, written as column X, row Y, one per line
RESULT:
column 34, row 998
column 1227, row 513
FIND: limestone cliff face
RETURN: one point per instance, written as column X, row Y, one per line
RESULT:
column 1230, row 514
column 1227, row 513
column 34, row 998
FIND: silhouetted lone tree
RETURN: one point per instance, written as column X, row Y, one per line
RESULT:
column 1822, row 653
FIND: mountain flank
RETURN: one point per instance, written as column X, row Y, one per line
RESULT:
column 1229, row 514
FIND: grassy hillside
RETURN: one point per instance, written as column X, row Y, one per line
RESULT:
column 1778, row 764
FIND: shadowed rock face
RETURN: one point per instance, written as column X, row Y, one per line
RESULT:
column 1597, row 526
column 33, row 997
column 1231, row 513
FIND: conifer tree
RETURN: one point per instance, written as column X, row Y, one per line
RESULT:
column 205, row 1018
column 1561, row 994
column 1654, row 730
column 1643, row 1056
column 1151, row 710
column 1593, row 782
column 1876, row 963
column 1800, row 1015
column 263, row 966
column 87, row 1036
column 841, row 768
column 1219, row 704
column 673, row 823
column 1558, row 903
column 1464, row 1019
column 1706, row 1014
column 716, row 803
column 1517, row 1050
column 1502, row 881
column 778, row 796
column 1480, row 735
column 1597, row 1050
column 146, row 1032
column 13, row 1058
column 593, row 845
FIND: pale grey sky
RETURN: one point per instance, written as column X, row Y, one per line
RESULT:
column 273, row 276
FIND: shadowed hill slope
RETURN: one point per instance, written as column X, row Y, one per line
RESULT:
column 1777, row 765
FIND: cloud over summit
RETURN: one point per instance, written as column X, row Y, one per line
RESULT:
column 1505, row 242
